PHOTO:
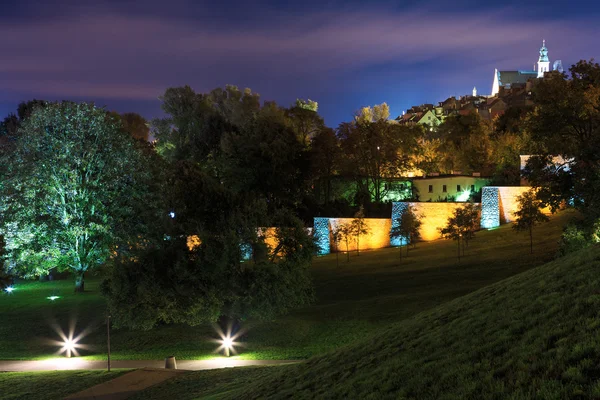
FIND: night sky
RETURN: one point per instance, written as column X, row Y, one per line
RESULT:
column 124, row 54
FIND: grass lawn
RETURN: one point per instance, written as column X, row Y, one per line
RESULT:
column 535, row 335
column 354, row 300
column 50, row 385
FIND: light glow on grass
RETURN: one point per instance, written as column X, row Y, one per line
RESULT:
column 9, row 289
column 52, row 298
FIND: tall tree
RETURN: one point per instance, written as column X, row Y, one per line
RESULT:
column 565, row 122
column 306, row 121
column 376, row 151
column 325, row 159
column 528, row 215
column 70, row 187
column 234, row 167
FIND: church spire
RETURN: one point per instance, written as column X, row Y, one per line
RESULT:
column 543, row 61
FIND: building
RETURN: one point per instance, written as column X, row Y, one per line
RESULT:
column 447, row 187
column 511, row 79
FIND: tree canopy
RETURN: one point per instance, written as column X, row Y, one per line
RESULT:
column 70, row 188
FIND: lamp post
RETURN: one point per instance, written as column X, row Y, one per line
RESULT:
column 108, row 340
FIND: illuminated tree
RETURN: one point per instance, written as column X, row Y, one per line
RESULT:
column 359, row 227
column 346, row 231
column 407, row 228
column 528, row 215
column 462, row 225
column 70, row 187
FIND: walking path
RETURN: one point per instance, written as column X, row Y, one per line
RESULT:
column 64, row 363
column 126, row 385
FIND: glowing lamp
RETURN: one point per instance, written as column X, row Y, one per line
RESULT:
column 228, row 341
column 9, row 289
column 227, row 344
column 68, row 347
column 52, row 298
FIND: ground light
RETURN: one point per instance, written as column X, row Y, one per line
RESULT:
column 9, row 289
column 69, row 343
column 52, row 298
column 228, row 341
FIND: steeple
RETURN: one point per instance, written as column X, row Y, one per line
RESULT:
column 543, row 61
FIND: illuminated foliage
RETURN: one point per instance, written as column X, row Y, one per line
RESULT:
column 71, row 180
column 529, row 214
column 462, row 225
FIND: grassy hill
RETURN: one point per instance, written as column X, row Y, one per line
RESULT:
column 534, row 335
column 354, row 300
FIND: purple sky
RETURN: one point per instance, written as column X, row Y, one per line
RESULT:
column 123, row 55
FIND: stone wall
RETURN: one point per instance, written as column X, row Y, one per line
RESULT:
column 377, row 238
column 434, row 216
column 498, row 204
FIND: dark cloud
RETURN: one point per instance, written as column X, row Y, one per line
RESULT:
column 114, row 50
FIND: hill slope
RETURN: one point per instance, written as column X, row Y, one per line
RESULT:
column 534, row 335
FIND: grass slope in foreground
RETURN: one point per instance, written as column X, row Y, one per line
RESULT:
column 50, row 385
column 354, row 300
column 534, row 335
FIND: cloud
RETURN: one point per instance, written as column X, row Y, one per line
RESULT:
column 136, row 57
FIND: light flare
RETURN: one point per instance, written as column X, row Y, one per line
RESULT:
column 228, row 341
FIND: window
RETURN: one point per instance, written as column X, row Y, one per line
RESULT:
column 472, row 188
column 430, row 188
column 444, row 189
column 458, row 188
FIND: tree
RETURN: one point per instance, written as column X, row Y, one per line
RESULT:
column 375, row 151
column 407, row 228
column 305, row 120
column 325, row 159
column 136, row 126
column 233, row 167
column 359, row 227
column 528, row 215
column 71, row 189
column 347, row 234
column 565, row 122
column 461, row 226
column 337, row 236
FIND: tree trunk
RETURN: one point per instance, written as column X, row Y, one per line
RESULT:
column 401, row 240
column 347, row 253
column 530, row 240
column 79, row 282
column 458, row 241
column 357, row 245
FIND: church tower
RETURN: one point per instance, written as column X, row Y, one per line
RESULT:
column 544, row 61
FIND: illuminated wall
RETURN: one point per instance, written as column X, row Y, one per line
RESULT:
column 498, row 203
column 434, row 217
column 377, row 238
column 490, row 207
column 322, row 232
